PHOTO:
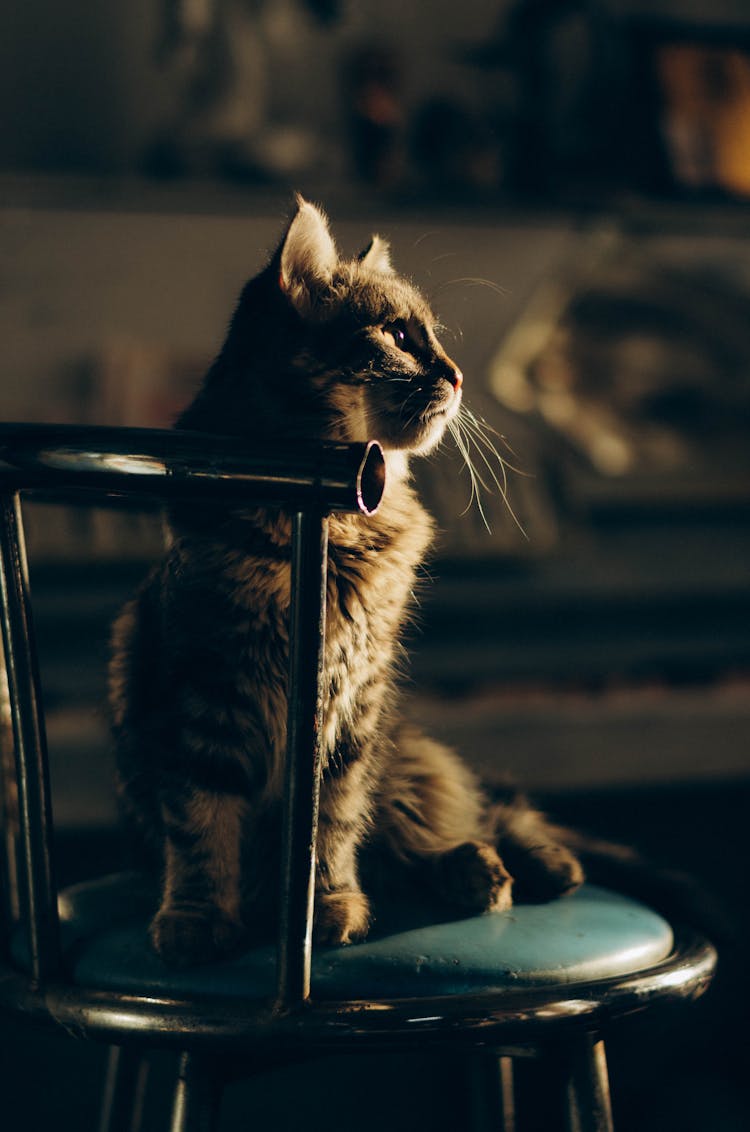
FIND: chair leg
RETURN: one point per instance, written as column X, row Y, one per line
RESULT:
column 507, row 1094
column 124, row 1089
column 491, row 1093
column 197, row 1097
column 587, row 1103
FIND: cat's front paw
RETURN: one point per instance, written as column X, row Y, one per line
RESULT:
column 341, row 917
column 473, row 876
column 188, row 937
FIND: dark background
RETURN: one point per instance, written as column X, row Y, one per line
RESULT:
column 569, row 183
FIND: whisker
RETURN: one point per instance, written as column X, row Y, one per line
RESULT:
column 416, row 412
column 425, row 236
column 454, row 430
column 461, row 444
column 482, row 427
column 468, row 441
column 456, row 335
column 469, row 432
column 478, row 438
column 501, row 487
column 475, row 281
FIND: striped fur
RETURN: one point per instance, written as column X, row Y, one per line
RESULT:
column 320, row 349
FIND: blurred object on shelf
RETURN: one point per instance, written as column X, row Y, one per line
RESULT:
column 214, row 53
column 457, row 150
column 639, row 361
column 184, row 25
column 594, row 99
column 696, row 105
column 227, row 60
column 571, row 76
column 372, row 82
column 560, row 72
column 706, row 119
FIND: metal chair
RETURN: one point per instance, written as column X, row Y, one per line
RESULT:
column 544, row 980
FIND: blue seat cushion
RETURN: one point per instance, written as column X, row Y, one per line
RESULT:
column 595, row 933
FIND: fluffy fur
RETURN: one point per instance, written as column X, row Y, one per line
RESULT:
column 322, row 349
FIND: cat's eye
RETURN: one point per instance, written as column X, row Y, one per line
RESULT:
column 398, row 333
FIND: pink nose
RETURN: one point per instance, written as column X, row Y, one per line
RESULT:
column 457, row 380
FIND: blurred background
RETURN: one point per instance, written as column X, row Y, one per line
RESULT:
column 569, row 182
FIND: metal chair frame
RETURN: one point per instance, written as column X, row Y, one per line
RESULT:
column 152, row 465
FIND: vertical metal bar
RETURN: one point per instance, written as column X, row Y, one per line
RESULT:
column 9, row 823
column 587, row 1101
column 124, row 1090
column 507, row 1094
column 35, row 810
column 491, row 1100
column 303, row 757
column 197, row 1096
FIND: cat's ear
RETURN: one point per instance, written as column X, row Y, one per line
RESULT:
column 307, row 256
column 377, row 256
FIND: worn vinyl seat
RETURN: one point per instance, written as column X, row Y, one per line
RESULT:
column 546, row 980
column 593, row 934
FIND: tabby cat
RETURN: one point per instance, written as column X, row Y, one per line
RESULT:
column 324, row 349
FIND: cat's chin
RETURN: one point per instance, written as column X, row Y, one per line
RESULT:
column 421, row 438
column 431, row 431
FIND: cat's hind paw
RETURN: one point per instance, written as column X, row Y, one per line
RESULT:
column 473, row 876
column 545, row 872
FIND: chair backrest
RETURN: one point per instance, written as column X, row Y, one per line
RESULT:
column 143, row 464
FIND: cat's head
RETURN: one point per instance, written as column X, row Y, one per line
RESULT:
column 332, row 349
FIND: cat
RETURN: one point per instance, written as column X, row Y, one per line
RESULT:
column 324, row 349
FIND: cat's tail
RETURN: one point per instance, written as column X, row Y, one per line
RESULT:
column 549, row 859
column 677, row 895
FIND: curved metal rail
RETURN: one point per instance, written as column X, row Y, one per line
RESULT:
column 310, row 483
column 165, row 464
column 495, row 1019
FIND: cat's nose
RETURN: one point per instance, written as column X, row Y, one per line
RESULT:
column 450, row 370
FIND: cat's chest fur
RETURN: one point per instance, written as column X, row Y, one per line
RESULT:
column 372, row 563
column 371, row 576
